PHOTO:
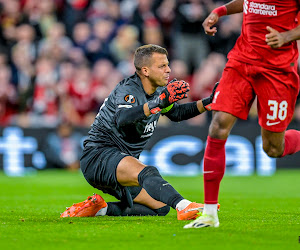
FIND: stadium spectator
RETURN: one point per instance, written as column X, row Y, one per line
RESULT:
column 83, row 32
column 103, row 9
column 123, row 126
column 180, row 70
column 11, row 17
column 153, row 34
column 165, row 13
column 102, row 34
column 74, row 12
column 25, row 38
column 82, row 38
column 207, row 75
column 229, row 30
column 66, row 72
column 80, row 105
column 3, row 58
column 204, row 79
column 40, row 14
column 105, row 76
column 45, row 107
column 63, row 147
column 143, row 16
column 262, row 64
column 125, row 42
column 188, row 36
column 126, row 67
column 23, row 75
column 8, row 96
column 55, row 44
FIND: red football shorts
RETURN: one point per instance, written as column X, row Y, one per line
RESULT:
column 276, row 93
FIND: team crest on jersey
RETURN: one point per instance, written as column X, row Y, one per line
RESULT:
column 130, row 99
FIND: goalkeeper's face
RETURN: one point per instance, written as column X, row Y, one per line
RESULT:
column 159, row 70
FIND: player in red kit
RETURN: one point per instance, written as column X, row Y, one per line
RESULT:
column 262, row 64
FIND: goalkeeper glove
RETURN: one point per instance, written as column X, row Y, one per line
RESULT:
column 208, row 100
column 172, row 92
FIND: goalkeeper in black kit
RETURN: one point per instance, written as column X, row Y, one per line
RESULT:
column 123, row 126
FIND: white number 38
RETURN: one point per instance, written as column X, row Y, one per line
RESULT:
column 279, row 111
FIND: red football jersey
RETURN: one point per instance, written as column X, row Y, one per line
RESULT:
column 251, row 46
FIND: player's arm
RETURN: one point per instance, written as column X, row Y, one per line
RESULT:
column 173, row 92
column 233, row 7
column 180, row 112
column 277, row 39
column 128, row 116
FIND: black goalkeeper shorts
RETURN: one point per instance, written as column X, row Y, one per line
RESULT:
column 98, row 165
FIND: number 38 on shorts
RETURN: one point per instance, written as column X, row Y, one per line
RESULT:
column 276, row 116
column 278, row 110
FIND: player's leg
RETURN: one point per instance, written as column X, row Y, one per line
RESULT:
column 111, row 171
column 186, row 210
column 118, row 209
column 233, row 99
column 98, row 165
column 214, row 160
column 280, row 144
column 96, row 206
column 273, row 142
column 214, row 156
column 131, row 172
column 144, row 205
column 275, row 110
column 291, row 142
column 214, row 168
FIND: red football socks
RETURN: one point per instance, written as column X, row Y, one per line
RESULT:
column 214, row 169
column 291, row 142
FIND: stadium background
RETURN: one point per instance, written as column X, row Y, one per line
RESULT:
column 59, row 59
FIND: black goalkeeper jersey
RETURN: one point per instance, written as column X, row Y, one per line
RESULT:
column 130, row 139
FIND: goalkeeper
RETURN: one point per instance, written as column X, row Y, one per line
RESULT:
column 123, row 126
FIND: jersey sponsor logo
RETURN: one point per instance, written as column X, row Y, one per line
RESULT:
column 149, row 129
column 271, row 123
column 130, row 98
column 259, row 8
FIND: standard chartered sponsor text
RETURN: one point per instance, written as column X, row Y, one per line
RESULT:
column 262, row 9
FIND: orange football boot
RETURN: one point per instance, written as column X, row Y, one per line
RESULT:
column 87, row 208
column 191, row 211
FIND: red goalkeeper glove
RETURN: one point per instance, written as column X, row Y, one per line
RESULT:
column 172, row 92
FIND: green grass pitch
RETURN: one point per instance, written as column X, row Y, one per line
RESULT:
column 256, row 213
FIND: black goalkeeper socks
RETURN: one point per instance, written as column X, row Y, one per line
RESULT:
column 118, row 209
column 159, row 189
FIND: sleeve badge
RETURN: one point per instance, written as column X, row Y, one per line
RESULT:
column 129, row 99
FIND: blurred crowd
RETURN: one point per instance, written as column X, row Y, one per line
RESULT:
column 59, row 59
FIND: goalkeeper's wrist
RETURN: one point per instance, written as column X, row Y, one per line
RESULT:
column 153, row 107
column 220, row 11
